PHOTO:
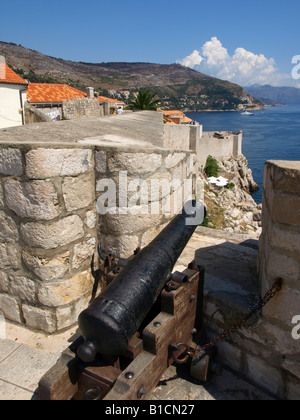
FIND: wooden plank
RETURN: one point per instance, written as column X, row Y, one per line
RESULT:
column 101, row 378
column 147, row 369
column 60, row 382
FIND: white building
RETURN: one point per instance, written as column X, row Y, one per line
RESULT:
column 12, row 98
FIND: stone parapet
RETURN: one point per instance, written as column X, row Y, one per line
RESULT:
column 50, row 224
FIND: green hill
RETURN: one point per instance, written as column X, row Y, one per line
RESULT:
column 177, row 86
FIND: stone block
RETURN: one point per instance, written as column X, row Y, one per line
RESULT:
column 49, row 163
column 34, row 199
column 56, row 294
column 284, row 239
column 91, row 219
column 266, row 376
column 101, row 162
column 135, row 163
column 68, row 316
column 4, row 282
column 23, row 288
column 47, row 269
column 283, row 307
column 286, row 176
column 286, row 209
column 123, row 246
column 78, row 192
column 53, row 235
column 125, row 224
column 10, row 308
column 11, row 162
column 41, row 319
column 8, row 229
column 173, row 159
column 83, row 253
column 1, row 197
column 230, row 356
column 8, row 257
column 279, row 265
column 293, row 390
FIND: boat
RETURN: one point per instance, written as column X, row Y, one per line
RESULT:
column 247, row 113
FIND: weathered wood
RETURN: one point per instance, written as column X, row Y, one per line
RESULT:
column 61, row 382
column 100, row 377
column 148, row 368
column 147, row 359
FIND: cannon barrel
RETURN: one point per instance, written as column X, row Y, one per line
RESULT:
column 110, row 322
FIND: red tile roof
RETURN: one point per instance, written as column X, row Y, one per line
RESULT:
column 51, row 92
column 7, row 75
column 104, row 98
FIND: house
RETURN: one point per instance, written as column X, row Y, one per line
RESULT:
column 114, row 104
column 176, row 117
column 12, row 97
column 48, row 97
column 54, row 101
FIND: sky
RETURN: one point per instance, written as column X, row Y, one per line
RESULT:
column 244, row 42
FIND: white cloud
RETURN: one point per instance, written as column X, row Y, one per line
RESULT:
column 192, row 60
column 215, row 53
column 243, row 67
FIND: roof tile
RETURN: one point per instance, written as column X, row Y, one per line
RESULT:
column 7, row 75
column 52, row 92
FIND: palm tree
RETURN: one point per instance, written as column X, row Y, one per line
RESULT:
column 144, row 101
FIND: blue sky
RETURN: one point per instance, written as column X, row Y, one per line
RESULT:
column 245, row 42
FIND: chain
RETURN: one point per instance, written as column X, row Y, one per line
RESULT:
column 198, row 351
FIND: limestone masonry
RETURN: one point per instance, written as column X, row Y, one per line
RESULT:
column 51, row 179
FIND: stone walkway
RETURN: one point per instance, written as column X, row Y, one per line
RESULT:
column 26, row 356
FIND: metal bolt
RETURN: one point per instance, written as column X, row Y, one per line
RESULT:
column 129, row 375
column 192, row 298
column 157, row 324
column 141, row 392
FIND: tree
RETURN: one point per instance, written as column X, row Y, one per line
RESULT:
column 212, row 168
column 144, row 101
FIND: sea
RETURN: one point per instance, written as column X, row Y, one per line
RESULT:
column 270, row 134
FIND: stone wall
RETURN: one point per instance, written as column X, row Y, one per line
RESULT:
column 229, row 146
column 81, row 108
column 149, row 178
column 50, row 226
column 48, row 233
column 279, row 257
column 34, row 115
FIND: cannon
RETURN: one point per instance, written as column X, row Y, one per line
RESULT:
column 111, row 321
column 143, row 321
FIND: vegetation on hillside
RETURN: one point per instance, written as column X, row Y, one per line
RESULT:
column 178, row 87
column 145, row 100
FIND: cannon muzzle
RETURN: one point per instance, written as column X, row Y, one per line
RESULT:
column 110, row 322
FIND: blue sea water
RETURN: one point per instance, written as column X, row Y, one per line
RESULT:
column 270, row 134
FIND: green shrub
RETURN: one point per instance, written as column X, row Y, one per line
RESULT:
column 212, row 168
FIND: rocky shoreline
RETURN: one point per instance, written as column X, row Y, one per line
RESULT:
column 232, row 208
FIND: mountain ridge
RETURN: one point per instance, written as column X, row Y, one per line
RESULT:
column 178, row 86
column 285, row 95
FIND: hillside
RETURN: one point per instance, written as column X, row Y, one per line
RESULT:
column 177, row 86
column 280, row 95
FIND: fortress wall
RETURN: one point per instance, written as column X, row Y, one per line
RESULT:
column 279, row 257
column 50, row 226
